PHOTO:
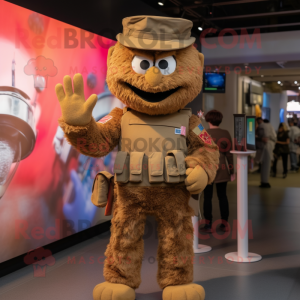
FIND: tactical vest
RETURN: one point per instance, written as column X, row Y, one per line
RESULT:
column 152, row 149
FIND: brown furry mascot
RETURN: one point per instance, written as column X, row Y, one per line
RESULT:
column 165, row 154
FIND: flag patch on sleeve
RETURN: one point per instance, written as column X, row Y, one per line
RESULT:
column 105, row 119
column 200, row 127
column 197, row 130
column 205, row 137
column 202, row 134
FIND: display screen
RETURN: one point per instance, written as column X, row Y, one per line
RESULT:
column 214, row 82
column 239, row 129
column 48, row 197
column 239, row 132
column 250, row 132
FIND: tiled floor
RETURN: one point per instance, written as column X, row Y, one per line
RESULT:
column 275, row 216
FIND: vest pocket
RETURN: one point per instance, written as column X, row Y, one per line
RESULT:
column 174, row 166
column 121, row 167
column 136, row 166
column 101, row 188
column 156, row 167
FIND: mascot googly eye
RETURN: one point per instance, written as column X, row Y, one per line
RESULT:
column 141, row 64
column 166, row 65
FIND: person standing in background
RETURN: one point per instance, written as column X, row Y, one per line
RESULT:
column 225, row 172
column 259, row 143
column 298, row 152
column 281, row 149
column 269, row 140
column 294, row 133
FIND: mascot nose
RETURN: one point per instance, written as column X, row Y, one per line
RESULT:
column 153, row 76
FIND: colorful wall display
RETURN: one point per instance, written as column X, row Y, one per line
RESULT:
column 45, row 184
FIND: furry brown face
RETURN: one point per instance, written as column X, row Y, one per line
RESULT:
column 154, row 82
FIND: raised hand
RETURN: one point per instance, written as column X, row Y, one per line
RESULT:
column 75, row 110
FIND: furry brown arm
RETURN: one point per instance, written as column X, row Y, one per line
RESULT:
column 95, row 139
column 200, row 153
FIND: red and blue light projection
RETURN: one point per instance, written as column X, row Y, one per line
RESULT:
column 49, row 195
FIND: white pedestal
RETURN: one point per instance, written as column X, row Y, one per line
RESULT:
column 198, row 248
column 234, row 256
column 242, row 255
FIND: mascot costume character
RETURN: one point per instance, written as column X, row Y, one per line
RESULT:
column 164, row 153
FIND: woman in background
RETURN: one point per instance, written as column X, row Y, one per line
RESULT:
column 223, row 139
column 281, row 149
column 294, row 133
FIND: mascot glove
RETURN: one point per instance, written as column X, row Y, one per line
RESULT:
column 196, row 180
column 75, row 110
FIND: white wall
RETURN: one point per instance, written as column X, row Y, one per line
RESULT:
column 283, row 103
column 226, row 103
column 274, row 104
column 277, row 101
column 241, row 80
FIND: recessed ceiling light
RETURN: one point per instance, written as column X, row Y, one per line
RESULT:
column 298, row 87
column 278, row 82
column 295, row 81
column 200, row 28
column 161, row 3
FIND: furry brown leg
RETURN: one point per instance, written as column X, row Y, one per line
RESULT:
column 125, row 251
column 175, row 231
column 175, row 250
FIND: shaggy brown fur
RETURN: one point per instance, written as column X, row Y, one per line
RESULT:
column 199, row 153
column 95, row 139
column 175, row 231
column 169, row 205
column 188, row 76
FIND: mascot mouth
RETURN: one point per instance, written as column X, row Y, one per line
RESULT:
column 152, row 97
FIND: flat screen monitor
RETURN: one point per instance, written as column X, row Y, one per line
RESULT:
column 250, row 132
column 214, row 82
column 239, row 132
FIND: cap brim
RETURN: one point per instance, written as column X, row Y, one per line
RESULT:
column 146, row 44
